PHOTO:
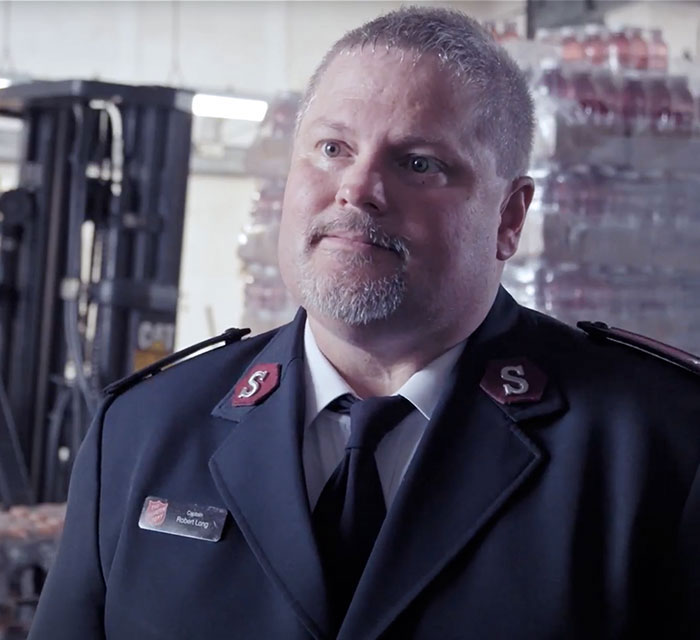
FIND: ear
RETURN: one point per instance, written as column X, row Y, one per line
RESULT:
column 513, row 211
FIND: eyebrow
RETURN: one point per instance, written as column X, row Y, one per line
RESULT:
column 407, row 141
column 417, row 141
column 329, row 124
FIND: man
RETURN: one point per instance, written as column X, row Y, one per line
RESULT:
column 537, row 484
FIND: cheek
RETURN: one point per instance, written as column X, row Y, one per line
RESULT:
column 435, row 226
column 309, row 190
column 453, row 240
column 307, row 193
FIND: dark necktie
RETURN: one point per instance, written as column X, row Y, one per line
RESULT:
column 351, row 509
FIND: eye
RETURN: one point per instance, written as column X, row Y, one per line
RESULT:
column 422, row 164
column 331, row 149
column 419, row 164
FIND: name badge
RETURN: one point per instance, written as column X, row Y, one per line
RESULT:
column 188, row 520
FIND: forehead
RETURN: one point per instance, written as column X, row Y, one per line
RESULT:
column 406, row 89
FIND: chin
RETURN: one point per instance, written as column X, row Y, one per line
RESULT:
column 351, row 301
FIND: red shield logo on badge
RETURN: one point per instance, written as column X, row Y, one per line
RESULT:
column 258, row 383
column 155, row 512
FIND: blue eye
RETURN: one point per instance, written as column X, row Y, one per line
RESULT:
column 419, row 164
column 422, row 164
column 331, row 149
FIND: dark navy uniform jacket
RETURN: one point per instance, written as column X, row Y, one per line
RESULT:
column 572, row 515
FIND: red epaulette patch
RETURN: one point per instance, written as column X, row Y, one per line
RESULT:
column 514, row 380
column 258, row 383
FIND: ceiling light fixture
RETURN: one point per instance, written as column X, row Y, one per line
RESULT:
column 212, row 106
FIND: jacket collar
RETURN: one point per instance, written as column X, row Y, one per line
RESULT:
column 286, row 348
column 258, row 471
column 259, row 474
column 454, row 488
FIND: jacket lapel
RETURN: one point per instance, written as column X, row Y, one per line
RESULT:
column 472, row 460
column 258, row 471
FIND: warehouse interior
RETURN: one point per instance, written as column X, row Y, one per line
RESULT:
column 178, row 118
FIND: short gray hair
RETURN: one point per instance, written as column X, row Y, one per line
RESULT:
column 504, row 113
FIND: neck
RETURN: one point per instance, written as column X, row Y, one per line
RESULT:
column 377, row 359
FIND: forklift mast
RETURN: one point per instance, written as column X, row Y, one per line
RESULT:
column 90, row 244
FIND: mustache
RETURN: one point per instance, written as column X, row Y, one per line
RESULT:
column 361, row 223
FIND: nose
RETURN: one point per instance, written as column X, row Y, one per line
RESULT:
column 362, row 187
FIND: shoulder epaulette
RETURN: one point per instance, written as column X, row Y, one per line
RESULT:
column 602, row 332
column 227, row 337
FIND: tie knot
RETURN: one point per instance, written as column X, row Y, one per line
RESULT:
column 373, row 418
column 342, row 404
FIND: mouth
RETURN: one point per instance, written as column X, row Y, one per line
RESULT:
column 356, row 235
column 356, row 241
column 354, row 244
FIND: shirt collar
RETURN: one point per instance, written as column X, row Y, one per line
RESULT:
column 324, row 384
column 425, row 387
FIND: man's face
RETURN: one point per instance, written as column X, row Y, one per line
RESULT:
column 392, row 207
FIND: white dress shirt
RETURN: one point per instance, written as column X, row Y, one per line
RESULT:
column 327, row 432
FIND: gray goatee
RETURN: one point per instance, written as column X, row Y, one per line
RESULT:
column 353, row 298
